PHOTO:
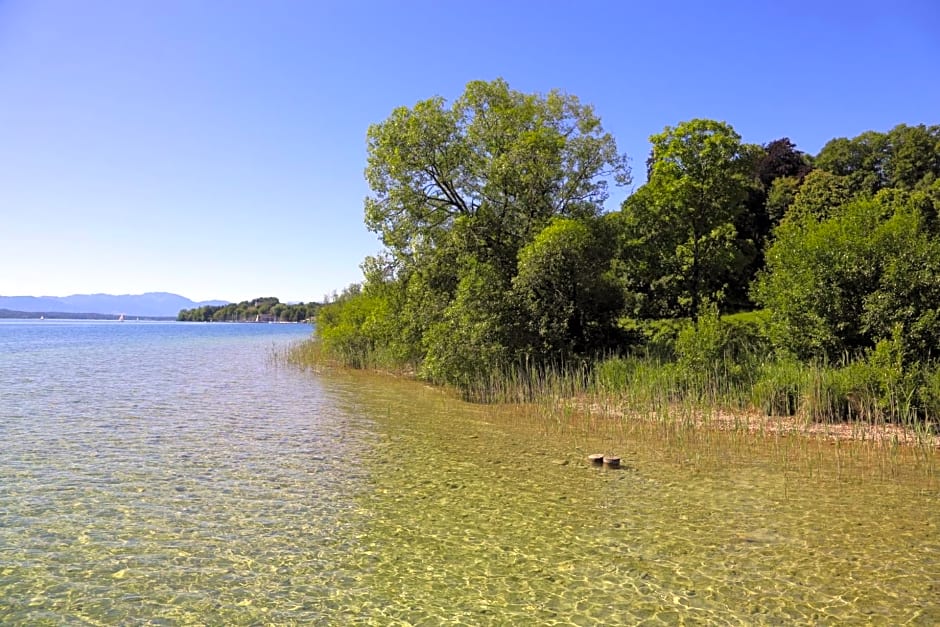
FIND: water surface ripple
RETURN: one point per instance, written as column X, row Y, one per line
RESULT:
column 175, row 474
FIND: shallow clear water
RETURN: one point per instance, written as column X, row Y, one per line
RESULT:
column 175, row 474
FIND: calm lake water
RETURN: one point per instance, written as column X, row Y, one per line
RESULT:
column 167, row 473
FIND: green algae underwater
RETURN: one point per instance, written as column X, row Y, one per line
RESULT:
column 261, row 494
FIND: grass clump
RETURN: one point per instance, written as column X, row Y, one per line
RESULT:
column 779, row 387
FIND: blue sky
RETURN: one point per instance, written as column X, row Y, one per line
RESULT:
column 216, row 149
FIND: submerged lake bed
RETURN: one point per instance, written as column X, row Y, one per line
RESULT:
column 174, row 473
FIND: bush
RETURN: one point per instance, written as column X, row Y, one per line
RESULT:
column 467, row 347
column 748, row 334
column 715, row 361
column 702, row 344
column 657, row 337
column 895, row 384
column 842, row 284
column 340, row 328
column 875, row 388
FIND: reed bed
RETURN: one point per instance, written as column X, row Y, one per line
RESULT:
column 803, row 416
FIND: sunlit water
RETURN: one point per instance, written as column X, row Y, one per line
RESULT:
column 175, row 474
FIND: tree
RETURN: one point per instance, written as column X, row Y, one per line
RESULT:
column 456, row 193
column 566, row 289
column 905, row 157
column 861, row 160
column 775, row 164
column 781, row 158
column 819, row 196
column 679, row 228
column 780, row 197
column 844, row 283
column 779, row 169
column 503, row 161
column 913, row 156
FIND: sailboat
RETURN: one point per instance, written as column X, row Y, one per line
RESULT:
column 121, row 318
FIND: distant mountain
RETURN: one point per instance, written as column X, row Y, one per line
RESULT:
column 149, row 304
column 61, row 315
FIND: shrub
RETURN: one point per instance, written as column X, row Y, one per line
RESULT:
column 748, row 334
column 702, row 344
column 658, row 337
column 895, row 384
column 340, row 328
column 874, row 388
column 714, row 362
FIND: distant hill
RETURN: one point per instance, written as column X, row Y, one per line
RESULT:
column 151, row 304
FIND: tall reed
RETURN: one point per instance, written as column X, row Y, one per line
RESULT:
column 720, row 402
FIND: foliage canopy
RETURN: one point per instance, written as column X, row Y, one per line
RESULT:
column 499, row 254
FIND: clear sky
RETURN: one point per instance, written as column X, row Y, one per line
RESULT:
column 216, row 148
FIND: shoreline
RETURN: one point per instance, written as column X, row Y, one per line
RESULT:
column 759, row 424
column 751, row 421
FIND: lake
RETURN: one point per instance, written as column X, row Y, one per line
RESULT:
column 179, row 473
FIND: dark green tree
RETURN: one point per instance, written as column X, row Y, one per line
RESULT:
column 905, row 157
column 567, row 291
column 913, row 156
column 861, row 161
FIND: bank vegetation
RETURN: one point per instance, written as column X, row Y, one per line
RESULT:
column 754, row 277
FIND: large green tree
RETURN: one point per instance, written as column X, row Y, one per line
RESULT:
column 681, row 243
column 914, row 156
column 503, row 161
column 458, row 190
column 860, row 160
column 819, row 195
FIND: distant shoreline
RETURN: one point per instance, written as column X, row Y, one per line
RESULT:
column 9, row 314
